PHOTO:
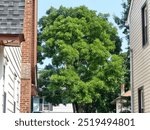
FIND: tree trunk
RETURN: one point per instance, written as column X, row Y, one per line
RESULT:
column 75, row 108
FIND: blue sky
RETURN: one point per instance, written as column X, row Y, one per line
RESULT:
column 113, row 7
column 103, row 6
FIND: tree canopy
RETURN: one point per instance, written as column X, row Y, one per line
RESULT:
column 85, row 67
column 125, row 29
column 126, row 55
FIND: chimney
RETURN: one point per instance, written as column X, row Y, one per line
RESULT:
column 122, row 89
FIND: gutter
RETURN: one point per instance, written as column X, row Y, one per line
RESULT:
column 131, row 61
column 128, row 19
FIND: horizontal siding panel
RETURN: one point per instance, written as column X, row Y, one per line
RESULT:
column 16, row 66
column 10, row 106
column 9, row 111
column 141, row 56
column 10, row 97
column 13, row 67
column 10, row 89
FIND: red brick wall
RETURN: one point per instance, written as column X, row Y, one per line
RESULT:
column 28, row 55
column 25, row 102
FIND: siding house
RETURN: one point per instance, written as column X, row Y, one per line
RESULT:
column 17, row 55
column 122, row 102
column 139, row 24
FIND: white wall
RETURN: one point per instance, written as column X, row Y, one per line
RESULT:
column 63, row 108
column 1, row 61
column 12, row 61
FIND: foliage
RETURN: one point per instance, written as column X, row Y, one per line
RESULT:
column 122, row 25
column 86, row 68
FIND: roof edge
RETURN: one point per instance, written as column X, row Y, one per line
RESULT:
column 12, row 39
column 128, row 19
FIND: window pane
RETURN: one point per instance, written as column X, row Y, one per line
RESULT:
column 4, row 103
column 141, row 100
column 144, row 25
column 145, row 16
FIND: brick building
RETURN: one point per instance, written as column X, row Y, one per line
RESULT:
column 18, row 38
column 28, row 70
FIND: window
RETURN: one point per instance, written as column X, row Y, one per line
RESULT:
column 4, row 74
column 144, row 25
column 5, row 84
column 14, row 107
column 4, row 93
column 15, row 96
column 141, row 99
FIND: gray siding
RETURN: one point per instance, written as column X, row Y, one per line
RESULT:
column 141, row 55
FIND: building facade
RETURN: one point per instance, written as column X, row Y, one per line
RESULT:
column 123, row 104
column 29, row 56
column 139, row 21
column 10, row 80
column 17, row 55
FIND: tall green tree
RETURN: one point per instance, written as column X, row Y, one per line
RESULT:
column 125, row 29
column 85, row 66
column 126, row 55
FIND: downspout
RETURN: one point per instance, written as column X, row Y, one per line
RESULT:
column 131, row 62
column 131, row 80
column 35, row 39
column 35, row 30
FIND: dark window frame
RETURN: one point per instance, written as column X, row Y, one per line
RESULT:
column 4, row 102
column 4, row 93
column 14, row 107
column 141, row 100
column 144, row 25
